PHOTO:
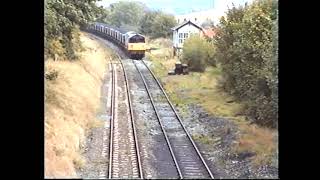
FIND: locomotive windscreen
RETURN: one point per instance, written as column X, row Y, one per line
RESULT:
column 136, row 39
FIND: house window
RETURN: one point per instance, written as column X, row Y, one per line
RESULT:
column 183, row 37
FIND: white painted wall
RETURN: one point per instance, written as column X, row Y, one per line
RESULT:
column 189, row 29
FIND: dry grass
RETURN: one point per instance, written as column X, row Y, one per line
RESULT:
column 203, row 139
column 258, row 140
column 163, row 50
column 162, row 56
column 71, row 101
column 203, row 89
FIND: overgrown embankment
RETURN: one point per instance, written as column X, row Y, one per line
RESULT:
column 72, row 98
column 204, row 89
column 239, row 75
column 61, row 26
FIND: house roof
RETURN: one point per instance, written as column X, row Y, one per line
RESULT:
column 185, row 23
column 209, row 32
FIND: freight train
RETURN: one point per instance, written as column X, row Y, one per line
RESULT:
column 131, row 42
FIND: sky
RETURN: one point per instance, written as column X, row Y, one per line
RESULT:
column 178, row 7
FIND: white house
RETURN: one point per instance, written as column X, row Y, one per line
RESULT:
column 181, row 32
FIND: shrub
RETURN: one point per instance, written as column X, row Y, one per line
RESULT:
column 197, row 53
column 247, row 51
column 61, row 23
column 55, row 47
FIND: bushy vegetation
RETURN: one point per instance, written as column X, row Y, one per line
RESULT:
column 125, row 13
column 197, row 53
column 157, row 24
column 247, row 51
column 61, row 26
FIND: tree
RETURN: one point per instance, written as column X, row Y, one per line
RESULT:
column 103, row 15
column 157, row 24
column 126, row 13
column 162, row 25
column 147, row 22
column 247, row 51
column 61, row 25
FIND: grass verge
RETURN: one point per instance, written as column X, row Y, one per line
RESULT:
column 203, row 89
column 72, row 98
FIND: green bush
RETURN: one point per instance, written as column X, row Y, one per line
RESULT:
column 157, row 24
column 247, row 51
column 61, row 25
column 197, row 52
column 125, row 13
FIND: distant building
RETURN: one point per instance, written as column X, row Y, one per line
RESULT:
column 183, row 31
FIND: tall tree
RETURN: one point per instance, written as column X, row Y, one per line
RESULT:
column 126, row 13
column 246, row 49
column 147, row 22
column 61, row 23
column 157, row 24
column 163, row 24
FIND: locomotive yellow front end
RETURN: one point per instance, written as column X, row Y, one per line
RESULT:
column 136, row 50
column 136, row 46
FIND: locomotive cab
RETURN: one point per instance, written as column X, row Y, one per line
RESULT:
column 136, row 46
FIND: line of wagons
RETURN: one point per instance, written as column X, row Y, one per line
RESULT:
column 131, row 42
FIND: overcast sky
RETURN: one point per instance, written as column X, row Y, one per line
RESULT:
column 177, row 7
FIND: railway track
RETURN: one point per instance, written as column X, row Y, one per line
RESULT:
column 124, row 158
column 187, row 158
